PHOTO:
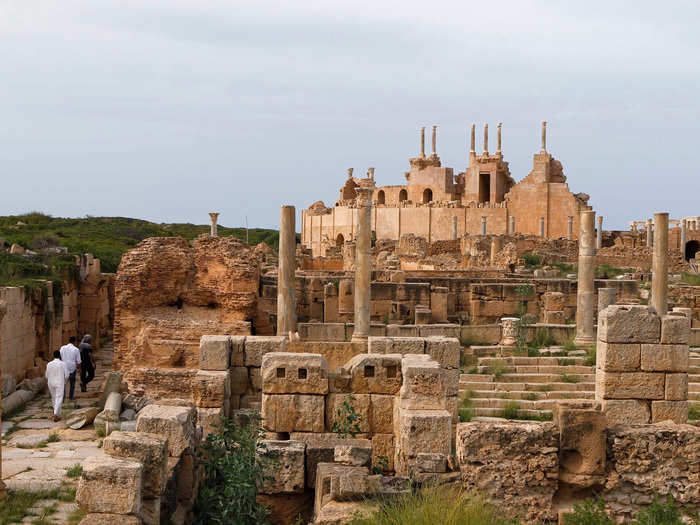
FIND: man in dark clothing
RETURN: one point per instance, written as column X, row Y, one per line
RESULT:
column 87, row 371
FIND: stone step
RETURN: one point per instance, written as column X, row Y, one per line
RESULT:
column 527, row 394
column 693, row 387
column 524, row 413
column 525, row 404
column 541, row 369
column 537, row 361
column 530, row 387
column 693, row 378
column 475, row 378
column 545, row 378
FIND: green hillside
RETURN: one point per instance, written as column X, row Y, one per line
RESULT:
column 107, row 238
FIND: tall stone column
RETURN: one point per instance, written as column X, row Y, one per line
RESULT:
column 585, row 296
column 599, row 233
column 3, row 311
column 483, row 225
column 570, row 227
column 633, row 226
column 363, row 262
column 659, row 266
column 286, row 281
column 454, row 227
column 606, row 297
column 434, row 137
column 498, row 138
column 512, row 224
column 213, row 217
column 684, row 236
column 473, row 140
column 422, row 142
column 649, row 233
column 544, row 136
column 486, row 139
column 541, row 226
column 496, row 244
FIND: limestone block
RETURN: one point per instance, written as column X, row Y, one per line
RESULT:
column 379, row 345
column 383, row 451
column 149, row 449
column 239, row 380
column 81, row 417
column 424, row 431
column 289, row 473
column 676, row 411
column 288, row 508
column 237, row 350
column 554, row 301
column 110, row 519
column 353, row 455
column 430, row 462
column 214, row 352
column 675, row 330
column 211, row 389
column 255, row 379
column 339, row 483
column 381, row 413
column 408, row 345
column 665, row 358
column 287, row 373
column 320, row 448
column 172, row 422
column 452, row 406
column 150, row 511
column 293, row 412
column 374, row 373
column 257, row 346
column 444, row 350
column 361, row 404
column 554, row 317
column 110, row 485
column 676, row 387
column 452, row 382
column 339, row 382
column 630, row 385
column 210, row 420
column 618, row 357
column 629, row 324
column 423, row 385
column 582, row 442
column 626, row 411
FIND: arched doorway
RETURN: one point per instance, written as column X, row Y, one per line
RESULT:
column 691, row 248
column 339, row 241
column 427, row 195
column 403, row 195
column 381, row 197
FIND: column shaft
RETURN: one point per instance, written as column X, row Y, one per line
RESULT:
column 684, row 236
column 649, row 233
column 585, row 296
column 659, row 268
column 454, row 227
column 286, row 281
column 363, row 265
column 599, row 234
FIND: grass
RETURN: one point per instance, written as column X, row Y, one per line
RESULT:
column 15, row 507
column 532, row 396
column 100, row 432
column 510, row 411
column 605, row 271
column 542, row 339
column 532, row 261
column 75, row 471
column 566, row 378
column 443, row 505
column 690, row 278
column 107, row 238
column 545, row 388
column 591, row 356
column 465, row 409
column 566, row 362
column 496, row 368
column 693, row 412
column 76, row 517
column 569, row 345
column 563, row 267
column 53, row 438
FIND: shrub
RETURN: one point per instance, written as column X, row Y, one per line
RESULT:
column 532, row 260
column 659, row 513
column 590, row 512
column 691, row 279
column 510, row 411
column 542, row 339
column 381, row 465
column 693, row 412
column 496, row 368
column 347, row 420
column 234, row 467
column 566, row 378
column 75, row 471
column 466, row 411
column 591, row 356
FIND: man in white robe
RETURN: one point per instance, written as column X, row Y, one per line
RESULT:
column 56, row 375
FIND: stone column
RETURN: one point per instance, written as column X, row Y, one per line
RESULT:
column 649, row 233
column 483, row 225
column 633, row 226
column 363, row 263
column 570, row 227
column 684, row 236
column 606, row 297
column 454, row 227
column 544, row 136
column 509, row 331
column 486, row 139
column 498, row 138
column 473, row 140
column 599, row 233
column 286, row 281
column 434, row 154
column 422, row 142
column 541, row 226
column 3, row 311
column 350, row 173
column 585, row 295
column 214, row 217
column 496, row 244
column 512, row 224
column 659, row 267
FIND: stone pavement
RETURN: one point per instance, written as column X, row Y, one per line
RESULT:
column 39, row 455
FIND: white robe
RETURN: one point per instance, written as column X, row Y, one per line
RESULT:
column 56, row 375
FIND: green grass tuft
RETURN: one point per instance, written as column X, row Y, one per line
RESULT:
column 496, row 368
column 693, row 412
column 510, row 411
column 75, row 471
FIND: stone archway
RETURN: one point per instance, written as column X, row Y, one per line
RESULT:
column 381, row 198
column 691, row 249
column 339, row 241
column 427, row 195
column 403, row 195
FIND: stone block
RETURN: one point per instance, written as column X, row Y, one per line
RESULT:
column 214, row 352
column 287, row 373
column 320, row 448
column 665, row 358
column 554, row 317
column 452, row 382
column 149, row 449
column 150, row 511
column 383, row 451
column 293, row 412
column 237, row 350
column 289, row 473
column 408, row 345
column 381, row 413
column 361, row 404
column 110, row 519
column 211, row 389
column 630, row 385
column 675, row 330
column 239, row 380
column 582, row 442
column 379, row 345
column 424, row 431
column 110, row 485
column 210, row 420
column 629, row 324
column 676, row 387
column 353, row 455
column 430, row 462
column 255, row 378
column 444, row 350
column 626, row 411
column 618, row 357
column 554, row 301
column 676, row 411
column 423, row 385
column 257, row 346
column 175, row 423
column 375, row 373
column 339, row 382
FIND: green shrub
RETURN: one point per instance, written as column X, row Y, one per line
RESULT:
column 691, row 278
column 590, row 512
column 563, row 267
column 566, row 378
column 542, row 339
column 605, row 271
column 75, row 471
column 235, row 465
column 532, row 260
column 347, row 421
column 591, row 356
column 693, row 412
column 659, row 513
column 510, row 411
column 465, row 409
column 381, row 465
column 496, row 368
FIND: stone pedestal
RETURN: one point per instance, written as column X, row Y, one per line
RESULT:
column 606, row 297
column 363, row 262
column 509, row 331
column 286, row 281
column 659, row 276
column 585, row 297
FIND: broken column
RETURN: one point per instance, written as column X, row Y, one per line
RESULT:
column 422, row 142
column 483, row 225
column 606, row 297
column 286, row 282
column 684, row 236
column 649, row 233
column 659, row 276
column 585, row 295
column 454, row 227
column 599, row 233
column 213, row 216
column 498, row 139
column 486, row 139
column 363, row 261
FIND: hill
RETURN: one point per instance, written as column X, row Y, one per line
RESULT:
column 107, row 238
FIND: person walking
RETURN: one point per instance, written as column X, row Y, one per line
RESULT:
column 87, row 362
column 70, row 355
column 56, row 375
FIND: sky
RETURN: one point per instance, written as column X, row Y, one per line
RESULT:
column 168, row 109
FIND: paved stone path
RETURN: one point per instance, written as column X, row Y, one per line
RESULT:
column 39, row 455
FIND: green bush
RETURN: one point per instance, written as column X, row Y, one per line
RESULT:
column 532, row 260
column 693, row 412
column 496, row 368
column 235, row 465
column 605, row 271
column 466, row 411
column 347, row 421
column 590, row 512
column 510, row 411
column 542, row 339
column 692, row 279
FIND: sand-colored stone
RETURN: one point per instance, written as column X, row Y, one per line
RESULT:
column 287, row 373
column 110, row 485
column 630, row 385
column 618, row 357
column 664, row 358
column 176, row 423
column 676, row 411
column 289, row 473
column 676, row 387
column 293, row 412
column 629, row 324
column 149, row 449
column 626, row 411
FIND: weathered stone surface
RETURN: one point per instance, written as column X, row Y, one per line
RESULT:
column 171, row 422
column 444, row 350
column 287, row 373
column 81, row 417
column 676, row 387
column 618, row 357
column 626, row 411
column 581, row 443
column 381, row 413
column 383, row 451
column 375, row 373
column 629, row 324
column 288, row 508
column 214, row 352
column 110, row 485
column 293, row 412
column 210, row 420
column 257, row 346
column 237, row 357
column 361, row 404
column 423, row 384
column 515, row 465
column 320, row 448
column 289, row 473
column 239, row 380
column 211, row 389
column 353, row 455
column 665, row 358
column 421, row 431
column 676, row 411
column 149, row 449
column 630, row 385
column 161, row 383
column 675, row 330
column 110, row 519
column 430, row 462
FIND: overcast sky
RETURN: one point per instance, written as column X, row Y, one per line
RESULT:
column 166, row 110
